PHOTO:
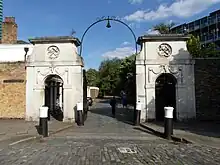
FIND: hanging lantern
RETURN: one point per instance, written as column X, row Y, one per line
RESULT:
column 108, row 24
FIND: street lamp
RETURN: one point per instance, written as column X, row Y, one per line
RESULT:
column 108, row 24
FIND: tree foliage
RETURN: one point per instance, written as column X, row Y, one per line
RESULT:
column 92, row 77
column 197, row 50
column 127, row 75
column 163, row 28
column 210, row 50
column 193, row 46
column 113, row 76
column 109, row 76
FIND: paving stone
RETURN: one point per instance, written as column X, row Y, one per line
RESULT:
column 64, row 149
column 106, row 152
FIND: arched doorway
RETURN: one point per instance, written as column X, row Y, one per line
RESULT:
column 165, row 92
column 54, row 96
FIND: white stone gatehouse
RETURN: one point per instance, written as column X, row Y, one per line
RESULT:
column 54, row 77
column 165, row 77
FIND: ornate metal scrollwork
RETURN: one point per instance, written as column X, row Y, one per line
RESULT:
column 116, row 18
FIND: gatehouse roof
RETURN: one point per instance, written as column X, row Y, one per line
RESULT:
column 55, row 39
column 162, row 37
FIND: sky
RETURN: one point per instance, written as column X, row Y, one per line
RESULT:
column 58, row 18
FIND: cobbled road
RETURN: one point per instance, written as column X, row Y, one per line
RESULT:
column 102, row 141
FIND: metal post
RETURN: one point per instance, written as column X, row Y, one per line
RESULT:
column 40, row 126
column 61, row 95
column 54, row 96
column 44, row 121
column 168, row 124
column 80, row 121
column 138, row 113
column 51, row 99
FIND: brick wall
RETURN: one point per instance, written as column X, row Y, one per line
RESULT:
column 12, row 90
column 9, row 31
column 207, row 89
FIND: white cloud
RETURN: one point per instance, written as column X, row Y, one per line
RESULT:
column 125, row 43
column 119, row 52
column 179, row 8
column 134, row 25
column 135, row 1
column 150, row 31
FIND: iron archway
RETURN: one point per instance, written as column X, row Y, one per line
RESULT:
column 115, row 19
column 108, row 19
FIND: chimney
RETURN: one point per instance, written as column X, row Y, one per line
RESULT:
column 9, row 20
column 9, row 31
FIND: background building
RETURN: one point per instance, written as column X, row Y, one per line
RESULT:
column 207, row 28
column 9, row 31
column 12, row 69
column 1, row 18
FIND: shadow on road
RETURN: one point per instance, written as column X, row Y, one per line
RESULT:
column 149, row 132
column 107, row 101
column 209, row 129
column 122, row 114
column 39, row 130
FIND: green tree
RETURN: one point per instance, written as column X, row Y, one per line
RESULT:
column 92, row 77
column 196, row 50
column 210, row 50
column 113, row 76
column 127, row 77
column 109, row 76
column 193, row 46
column 116, row 75
column 163, row 28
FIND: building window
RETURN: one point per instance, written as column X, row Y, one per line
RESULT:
column 13, row 81
column 204, row 22
column 212, row 20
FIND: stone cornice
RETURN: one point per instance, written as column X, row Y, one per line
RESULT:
column 159, row 62
column 162, row 37
column 59, row 39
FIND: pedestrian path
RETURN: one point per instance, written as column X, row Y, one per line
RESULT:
column 197, row 132
column 101, row 124
column 14, row 130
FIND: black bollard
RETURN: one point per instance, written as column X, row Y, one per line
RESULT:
column 80, row 121
column 168, row 124
column 40, row 126
column 44, row 121
column 138, row 113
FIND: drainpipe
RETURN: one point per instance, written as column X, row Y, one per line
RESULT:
column 145, row 81
column 26, row 49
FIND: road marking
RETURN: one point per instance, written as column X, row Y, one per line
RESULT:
column 125, row 150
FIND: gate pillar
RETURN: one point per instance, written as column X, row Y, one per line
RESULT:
column 165, row 54
column 54, row 56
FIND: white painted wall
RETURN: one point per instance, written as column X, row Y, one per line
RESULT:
column 13, row 52
column 68, row 66
column 148, row 68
